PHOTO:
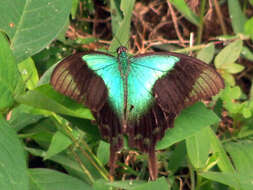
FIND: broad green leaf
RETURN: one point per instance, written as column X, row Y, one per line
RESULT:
column 232, row 68
column 248, row 27
column 188, row 123
column 103, row 152
column 237, row 17
column 206, row 54
column 123, row 32
column 178, row 157
column 229, row 54
column 251, row 2
column 59, row 143
column 11, row 83
column 241, row 153
column 247, row 53
column 186, row 11
column 29, row 73
column 13, row 169
column 198, row 147
column 45, row 97
column 31, row 24
column 23, row 116
column 160, row 184
column 240, row 181
column 47, row 179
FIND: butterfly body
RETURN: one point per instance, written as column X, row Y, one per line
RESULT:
column 137, row 96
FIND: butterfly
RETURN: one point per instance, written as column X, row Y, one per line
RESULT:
column 135, row 96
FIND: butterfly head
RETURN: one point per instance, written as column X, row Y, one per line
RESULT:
column 121, row 49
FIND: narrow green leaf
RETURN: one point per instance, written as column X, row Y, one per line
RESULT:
column 116, row 15
column 13, row 169
column 223, row 161
column 58, row 143
column 248, row 27
column 75, row 4
column 29, row 73
column 123, row 32
column 206, row 54
column 237, row 17
column 198, row 147
column 188, row 123
column 229, row 54
column 186, row 11
column 46, row 179
column 32, row 25
column 45, row 97
column 247, row 53
column 11, row 82
column 103, row 152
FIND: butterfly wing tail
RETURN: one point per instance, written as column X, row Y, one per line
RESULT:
column 111, row 131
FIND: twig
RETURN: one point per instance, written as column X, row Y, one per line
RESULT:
column 220, row 17
column 174, row 19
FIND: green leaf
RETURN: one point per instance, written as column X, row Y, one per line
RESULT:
column 178, row 157
column 198, row 147
column 123, row 32
column 116, row 15
column 13, row 169
column 251, row 2
column 241, row 181
column 247, row 53
column 75, row 4
column 45, row 97
column 188, row 123
column 46, row 179
column 232, row 68
column 186, row 11
column 241, row 153
column 29, row 73
column 229, row 78
column 160, row 184
column 11, row 83
column 32, row 25
column 22, row 117
column 223, row 161
column 248, row 27
column 229, row 54
column 206, row 54
column 59, row 143
column 103, row 152
column 237, row 17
